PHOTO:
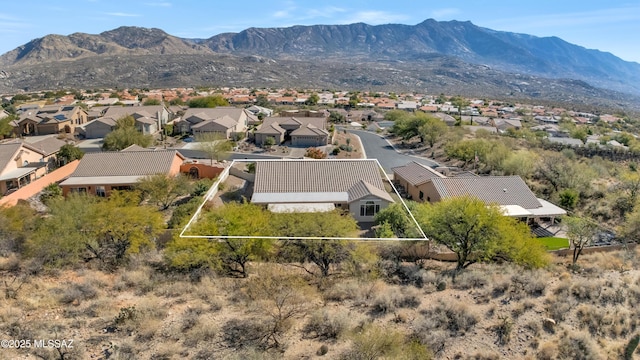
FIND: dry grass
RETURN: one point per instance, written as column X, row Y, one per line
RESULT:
column 484, row 312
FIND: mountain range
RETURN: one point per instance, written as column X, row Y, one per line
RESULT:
column 431, row 56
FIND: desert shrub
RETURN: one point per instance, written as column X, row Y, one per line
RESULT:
column 395, row 298
column 201, row 187
column 201, row 333
column 557, row 308
column 577, row 345
column 147, row 328
column 374, row 342
column 77, row 292
column 125, row 314
column 190, row 318
column 174, row 289
column 612, row 296
column 471, row 279
column 547, row 351
column 183, row 212
column 248, row 333
column 633, row 295
column 452, row 315
column 586, row 290
column 361, row 292
column 503, row 329
column 534, row 327
column 138, row 280
column 530, row 283
column 483, row 356
column 10, row 263
column 400, row 273
column 251, row 353
column 434, row 340
column 325, row 325
column 500, row 288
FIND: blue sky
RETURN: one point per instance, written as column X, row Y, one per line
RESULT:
column 612, row 26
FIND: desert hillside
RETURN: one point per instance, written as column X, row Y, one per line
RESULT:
column 399, row 310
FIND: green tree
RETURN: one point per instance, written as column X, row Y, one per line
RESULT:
column 208, row 102
column 569, row 198
column 268, row 142
column 629, row 188
column 68, row 153
column 336, row 117
column 176, row 101
column 432, row 130
column 323, row 253
column 149, row 101
column 262, row 100
column 580, row 133
column 5, row 127
column 51, row 191
column 562, row 172
column 59, row 239
column 163, row 190
column 191, row 254
column 459, row 102
column 117, row 227
column 125, row 135
column 465, row 225
column 216, row 146
column 409, row 126
column 82, row 227
column 521, row 162
column 581, row 233
column 313, row 99
column 16, row 226
column 235, row 219
column 396, row 217
column 630, row 229
column 516, row 244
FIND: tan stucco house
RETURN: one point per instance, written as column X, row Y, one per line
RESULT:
column 100, row 173
column 321, row 185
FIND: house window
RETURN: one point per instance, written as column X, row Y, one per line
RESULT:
column 369, row 208
column 421, row 195
column 82, row 190
column 101, row 191
column 194, row 173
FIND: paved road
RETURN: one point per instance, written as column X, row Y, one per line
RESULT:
column 377, row 147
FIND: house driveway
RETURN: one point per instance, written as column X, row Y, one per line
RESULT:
column 377, row 147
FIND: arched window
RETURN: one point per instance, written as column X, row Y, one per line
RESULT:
column 194, row 173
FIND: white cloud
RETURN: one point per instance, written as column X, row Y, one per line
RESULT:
column 375, row 17
column 281, row 14
column 325, row 12
column 444, row 13
column 120, row 14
